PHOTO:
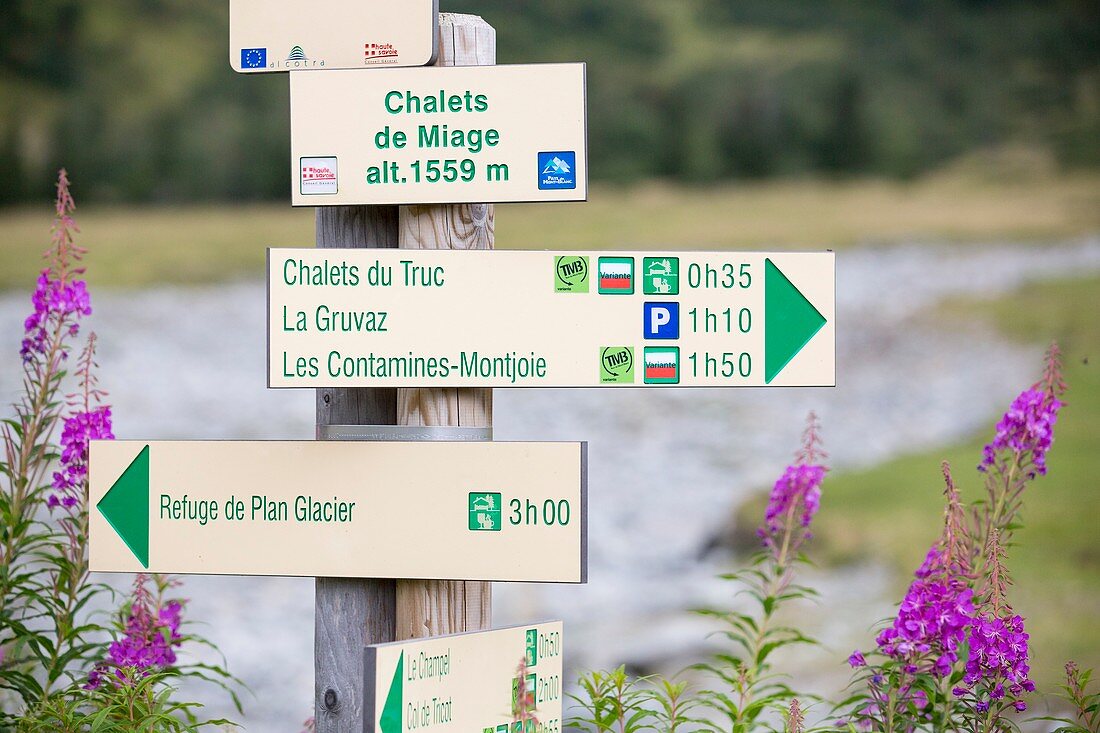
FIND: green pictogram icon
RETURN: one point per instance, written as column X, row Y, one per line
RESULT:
column 616, row 275
column 617, row 365
column 661, row 275
column 484, row 512
column 662, row 365
column 531, row 647
column 570, row 274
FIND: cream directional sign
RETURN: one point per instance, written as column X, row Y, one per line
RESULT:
column 467, row 683
column 475, row 134
column 462, row 511
column 290, row 35
column 423, row 318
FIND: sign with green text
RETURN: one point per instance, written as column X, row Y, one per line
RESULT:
column 290, row 35
column 502, row 681
column 437, row 135
column 440, row 318
column 426, row 510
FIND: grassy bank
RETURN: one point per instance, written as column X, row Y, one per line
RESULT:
column 893, row 511
column 143, row 246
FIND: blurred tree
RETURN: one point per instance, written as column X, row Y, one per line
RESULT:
column 37, row 43
column 136, row 96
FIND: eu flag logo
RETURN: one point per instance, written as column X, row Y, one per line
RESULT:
column 253, row 58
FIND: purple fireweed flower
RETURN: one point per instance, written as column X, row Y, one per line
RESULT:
column 149, row 641
column 799, row 488
column 1027, row 427
column 78, row 430
column 59, row 300
column 932, row 619
column 856, row 659
column 996, row 672
column 58, row 305
column 794, row 501
column 998, row 656
column 149, row 638
column 795, row 498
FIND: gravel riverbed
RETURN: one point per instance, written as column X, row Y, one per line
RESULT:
column 667, row 467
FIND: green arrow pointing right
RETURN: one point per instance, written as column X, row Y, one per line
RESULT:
column 390, row 722
column 790, row 321
column 126, row 507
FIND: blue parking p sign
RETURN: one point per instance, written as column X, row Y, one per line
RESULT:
column 661, row 321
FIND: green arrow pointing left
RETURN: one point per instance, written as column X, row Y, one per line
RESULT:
column 126, row 507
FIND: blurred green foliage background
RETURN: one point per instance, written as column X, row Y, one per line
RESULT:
column 138, row 96
column 872, row 122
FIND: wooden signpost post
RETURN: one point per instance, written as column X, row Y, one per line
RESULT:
column 353, row 613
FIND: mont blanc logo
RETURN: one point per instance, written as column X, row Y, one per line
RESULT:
column 557, row 167
column 557, row 170
column 319, row 176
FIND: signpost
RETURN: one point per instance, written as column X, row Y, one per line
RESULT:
column 384, row 318
column 352, row 612
column 487, row 511
column 466, row 682
column 357, row 323
column 289, row 35
column 469, row 134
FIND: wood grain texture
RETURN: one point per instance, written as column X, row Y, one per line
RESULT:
column 431, row 608
column 351, row 613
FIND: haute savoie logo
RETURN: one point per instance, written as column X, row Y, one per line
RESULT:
column 319, row 176
column 379, row 53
